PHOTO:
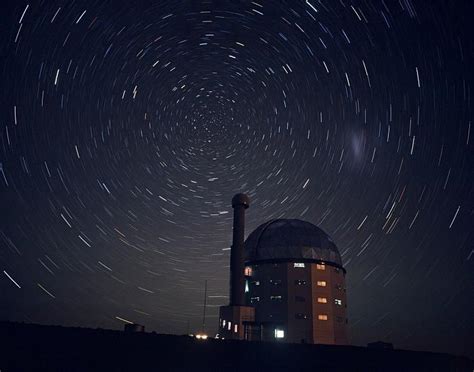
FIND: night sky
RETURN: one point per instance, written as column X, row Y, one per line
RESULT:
column 126, row 128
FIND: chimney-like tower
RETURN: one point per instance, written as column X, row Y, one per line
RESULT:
column 240, row 202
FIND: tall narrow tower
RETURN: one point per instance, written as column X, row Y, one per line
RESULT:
column 231, row 317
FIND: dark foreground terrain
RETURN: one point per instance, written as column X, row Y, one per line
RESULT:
column 27, row 347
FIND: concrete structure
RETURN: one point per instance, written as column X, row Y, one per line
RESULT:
column 294, row 284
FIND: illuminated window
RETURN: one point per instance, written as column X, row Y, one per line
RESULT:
column 248, row 271
column 279, row 333
column 275, row 281
column 322, row 300
column 321, row 283
column 229, row 326
column 236, row 328
column 338, row 302
column 254, row 299
column 298, row 264
column 322, row 317
column 276, row 298
column 301, row 316
column 321, row 266
column 300, row 282
column 300, row 299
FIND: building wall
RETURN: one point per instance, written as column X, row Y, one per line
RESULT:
column 285, row 295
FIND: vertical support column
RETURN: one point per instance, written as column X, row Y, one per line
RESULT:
column 240, row 203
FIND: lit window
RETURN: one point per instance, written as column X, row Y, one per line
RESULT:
column 322, row 317
column 223, row 323
column 338, row 302
column 275, row 298
column 229, row 326
column 246, row 286
column 298, row 264
column 322, row 300
column 236, row 328
column 300, row 299
column 321, row 283
column 300, row 282
column 248, row 271
column 321, row 266
column 279, row 333
column 254, row 299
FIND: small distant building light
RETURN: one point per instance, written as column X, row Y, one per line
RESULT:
column 254, row 299
column 298, row 264
column 279, row 333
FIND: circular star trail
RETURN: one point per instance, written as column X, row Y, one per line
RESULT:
column 126, row 130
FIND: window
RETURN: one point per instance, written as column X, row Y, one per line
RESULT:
column 322, row 317
column 321, row 266
column 338, row 302
column 301, row 316
column 300, row 299
column 322, row 300
column 298, row 264
column 300, row 282
column 277, row 298
column 248, row 271
column 321, row 283
column 229, row 326
column 279, row 333
column 236, row 328
column 275, row 281
column 254, row 299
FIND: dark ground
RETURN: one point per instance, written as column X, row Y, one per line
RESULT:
column 28, row 347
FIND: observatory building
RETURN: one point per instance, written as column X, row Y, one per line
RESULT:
column 287, row 283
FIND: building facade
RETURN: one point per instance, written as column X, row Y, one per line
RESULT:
column 294, row 287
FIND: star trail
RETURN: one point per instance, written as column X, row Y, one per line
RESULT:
column 126, row 129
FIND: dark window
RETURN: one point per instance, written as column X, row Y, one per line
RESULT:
column 300, row 282
column 301, row 316
column 300, row 299
column 275, row 281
